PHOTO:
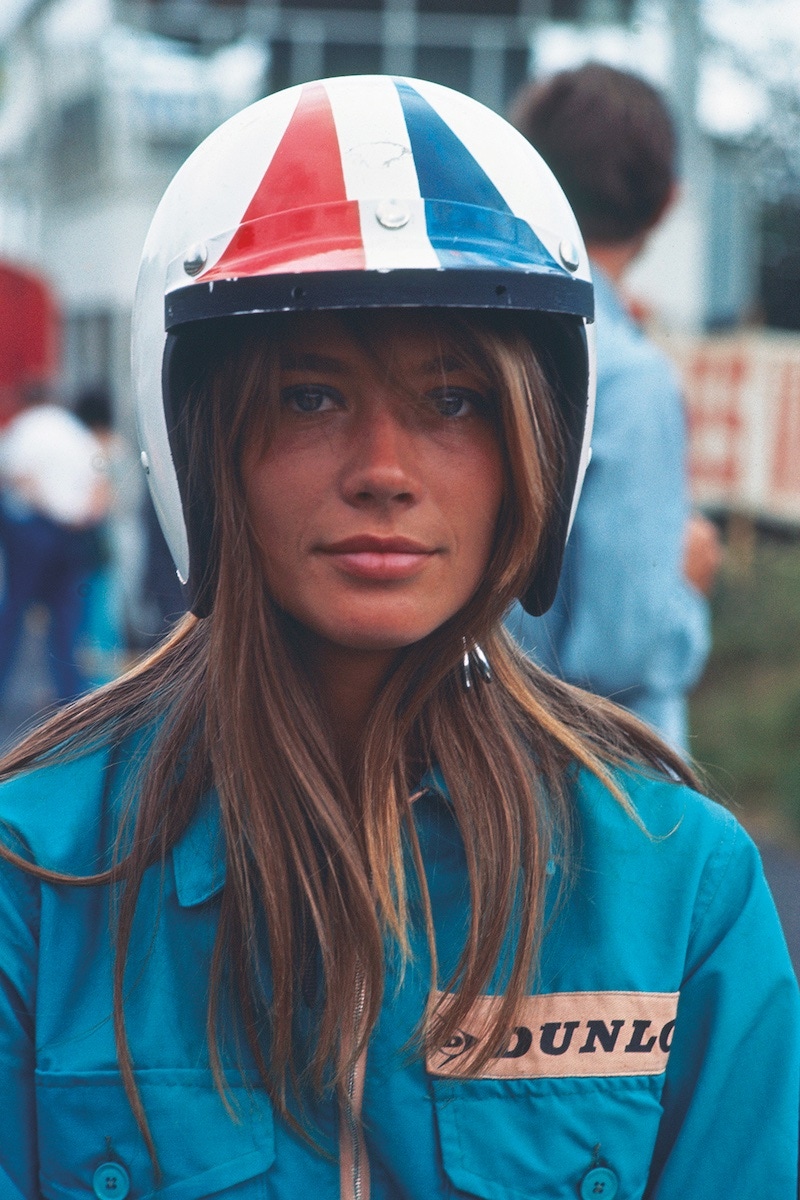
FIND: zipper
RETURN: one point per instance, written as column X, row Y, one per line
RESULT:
column 355, row 1167
column 353, row 1122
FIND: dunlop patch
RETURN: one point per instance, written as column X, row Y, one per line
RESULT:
column 562, row 1034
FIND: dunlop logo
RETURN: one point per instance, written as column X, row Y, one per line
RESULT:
column 562, row 1034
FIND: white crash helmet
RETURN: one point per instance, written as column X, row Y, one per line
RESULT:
column 360, row 192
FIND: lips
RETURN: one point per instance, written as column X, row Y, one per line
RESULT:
column 377, row 558
column 370, row 543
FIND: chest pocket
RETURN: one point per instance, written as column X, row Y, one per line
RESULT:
column 515, row 1139
column 85, row 1123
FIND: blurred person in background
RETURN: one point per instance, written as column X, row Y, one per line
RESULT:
column 55, row 492
column 135, row 595
column 162, row 599
column 114, row 602
column 631, row 618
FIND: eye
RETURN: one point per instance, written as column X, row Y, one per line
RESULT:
column 311, row 398
column 457, row 401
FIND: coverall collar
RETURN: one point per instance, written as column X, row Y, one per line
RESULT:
column 199, row 856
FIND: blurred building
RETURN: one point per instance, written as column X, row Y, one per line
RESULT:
column 95, row 116
column 100, row 100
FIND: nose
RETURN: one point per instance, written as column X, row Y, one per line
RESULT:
column 380, row 467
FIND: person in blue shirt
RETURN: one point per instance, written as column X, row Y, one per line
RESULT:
column 336, row 892
column 630, row 620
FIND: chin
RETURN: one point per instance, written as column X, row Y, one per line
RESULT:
column 377, row 635
column 381, row 641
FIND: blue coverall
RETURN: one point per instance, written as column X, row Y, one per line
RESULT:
column 668, row 923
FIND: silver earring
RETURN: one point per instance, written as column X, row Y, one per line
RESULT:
column 474, row 657
column 482, row 663
column 466, row 668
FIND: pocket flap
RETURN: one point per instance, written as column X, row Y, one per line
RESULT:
column 85, row 1120
column 516, row 1139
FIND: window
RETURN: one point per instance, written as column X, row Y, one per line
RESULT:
column 74, row 142
column 335, row 5
column 450, row 65
column 479, row 8
column 341, row 59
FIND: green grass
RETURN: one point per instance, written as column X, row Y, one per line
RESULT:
column 745, row 714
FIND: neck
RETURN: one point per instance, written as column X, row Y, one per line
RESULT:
column 614, row 258
column 348, row 682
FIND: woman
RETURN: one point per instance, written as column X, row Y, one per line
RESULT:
column 335, row 891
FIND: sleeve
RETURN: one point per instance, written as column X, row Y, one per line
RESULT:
column 19, row 944
column 732, row 1090
column 625, row 619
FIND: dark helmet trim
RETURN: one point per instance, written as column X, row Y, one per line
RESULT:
column 540, row 291
column 564, row 356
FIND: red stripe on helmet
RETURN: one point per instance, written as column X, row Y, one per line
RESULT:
column 300, row 217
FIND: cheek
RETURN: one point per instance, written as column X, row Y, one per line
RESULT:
column 270, row 519
column 478, row 495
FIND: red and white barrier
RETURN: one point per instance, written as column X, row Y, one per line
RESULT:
column 743, row 402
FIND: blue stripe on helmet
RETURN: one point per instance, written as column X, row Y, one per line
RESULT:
column 445, row 168
column 462, row 203
column 464, row 235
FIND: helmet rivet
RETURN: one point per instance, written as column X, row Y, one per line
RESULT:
column 196, row 259
column 145, row 462
column 391, row 214
column 568, row 253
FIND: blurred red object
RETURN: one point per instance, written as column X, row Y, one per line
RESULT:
column 30, row 329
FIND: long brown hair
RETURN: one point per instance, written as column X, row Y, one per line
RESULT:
column 229, row 704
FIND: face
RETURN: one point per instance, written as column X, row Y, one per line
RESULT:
column 376, row 499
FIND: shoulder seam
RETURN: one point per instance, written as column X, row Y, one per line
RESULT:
column 713, row 874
